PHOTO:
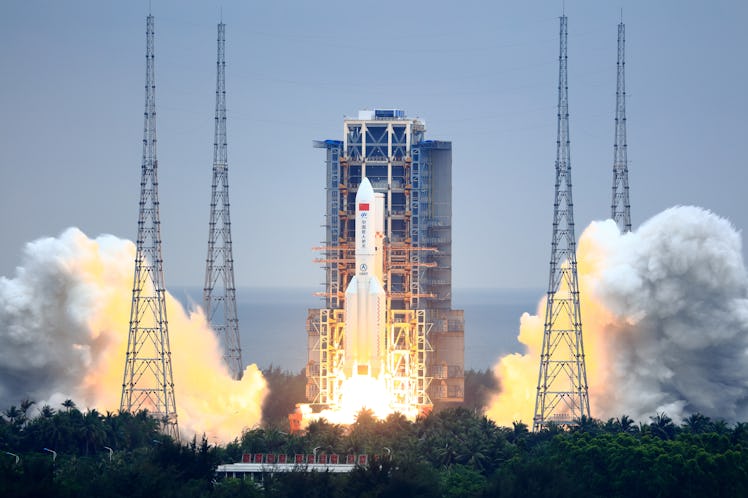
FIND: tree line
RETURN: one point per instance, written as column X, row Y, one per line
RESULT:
column 450, row 453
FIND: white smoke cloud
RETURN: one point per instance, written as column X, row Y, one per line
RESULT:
column 665, row 314
column 678, row 290
column 64, row 320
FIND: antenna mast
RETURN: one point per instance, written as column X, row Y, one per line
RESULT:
column 562, row 379
column 620, row 207
column 148, row 382
column 219, row 293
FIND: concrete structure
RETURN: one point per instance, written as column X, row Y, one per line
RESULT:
column 415, row 177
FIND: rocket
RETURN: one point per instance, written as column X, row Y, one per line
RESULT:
column 365, row 299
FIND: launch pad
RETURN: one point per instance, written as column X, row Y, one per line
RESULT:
column 405, row 376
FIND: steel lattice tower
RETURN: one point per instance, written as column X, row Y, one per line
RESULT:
column 562, row 396
column 219, row 293
column 620, row 207
column 148, row 382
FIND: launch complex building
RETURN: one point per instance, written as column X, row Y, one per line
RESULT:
column 424, row 337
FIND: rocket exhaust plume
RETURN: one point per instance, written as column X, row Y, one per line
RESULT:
column 64, row 324
column 666, row 323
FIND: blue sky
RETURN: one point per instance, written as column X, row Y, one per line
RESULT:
column 481, row 74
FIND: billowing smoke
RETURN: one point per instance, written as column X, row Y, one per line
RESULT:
column 665, row 323
column 64, row 322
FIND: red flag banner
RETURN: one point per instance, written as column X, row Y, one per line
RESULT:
column 363, row 206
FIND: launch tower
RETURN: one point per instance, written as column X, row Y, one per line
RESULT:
column 620, row 207
column 219, row 293
column 424, row 335
column 148, row 382
column 562, row 396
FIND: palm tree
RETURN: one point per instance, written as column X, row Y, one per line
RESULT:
column 586, row 424
column 274, row 439
column 365, row 418
column 662, row 426
column 740, row 433
column 446, row 454
column 26, row 404
column 395, row 422
column 720, row 427
column 69, row 404
column 253, row 440
column 14, row 415
column 612, row 426
column 363, row 436
column 55, row 431
column 520, row 432
column 92, row 430
column 324, row 434
column 696, row 423
column 627, row 424
column 549, row 430
column 47, row 411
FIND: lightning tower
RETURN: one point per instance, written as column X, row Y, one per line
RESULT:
column 562, row 396
column 148, row 382
column 620, row 207
column 219, row 293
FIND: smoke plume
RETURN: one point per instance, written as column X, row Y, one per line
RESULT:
column 64, row 321
column 665, row 323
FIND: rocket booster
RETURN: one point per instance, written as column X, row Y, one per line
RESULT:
column 365, row 299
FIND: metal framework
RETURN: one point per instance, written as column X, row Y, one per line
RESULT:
column 148, row 382
column 418, row 204
column 219, row 293
column 562, row 395
column 620, row 207
column 326, row 331
column 407, row 347
column 414, row 175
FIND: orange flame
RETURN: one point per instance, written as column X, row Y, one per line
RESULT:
column 518, row 373
column 208, row 399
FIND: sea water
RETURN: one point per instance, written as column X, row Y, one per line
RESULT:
column 272, row 322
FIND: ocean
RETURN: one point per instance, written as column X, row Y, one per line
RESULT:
column 272, row 322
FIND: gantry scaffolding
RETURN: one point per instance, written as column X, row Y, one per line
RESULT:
column 414, row 175
column 406, row 353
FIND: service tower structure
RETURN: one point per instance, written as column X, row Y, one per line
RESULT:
column 562, row 396
column 424, row 339
column 219, row 293
column 148, row 382
column 621, row 207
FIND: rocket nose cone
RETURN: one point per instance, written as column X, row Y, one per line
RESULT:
column 365, row 191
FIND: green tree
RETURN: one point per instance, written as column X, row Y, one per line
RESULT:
column 92, row 430
column 697, row 423
column 662, row 426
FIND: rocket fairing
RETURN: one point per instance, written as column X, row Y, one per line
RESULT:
column 365, row 298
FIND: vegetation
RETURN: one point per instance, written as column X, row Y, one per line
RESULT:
column 286, row 390
column 451, row 453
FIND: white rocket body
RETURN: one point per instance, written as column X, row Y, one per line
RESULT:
column 365, row 299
